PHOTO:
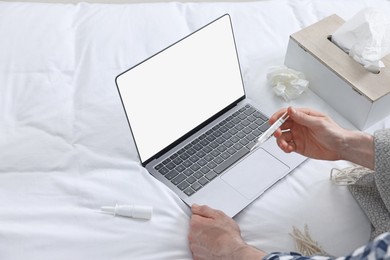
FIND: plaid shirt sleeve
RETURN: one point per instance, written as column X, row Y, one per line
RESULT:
column 378, row 249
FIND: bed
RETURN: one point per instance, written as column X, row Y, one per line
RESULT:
column 66, row 148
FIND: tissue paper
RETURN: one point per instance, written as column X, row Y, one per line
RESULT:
column 286, row 82
column 366, row 38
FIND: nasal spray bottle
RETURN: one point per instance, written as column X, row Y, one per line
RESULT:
column 132, row 211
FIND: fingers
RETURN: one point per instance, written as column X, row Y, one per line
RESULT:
column 204, row 215
column 285, row 141
column 301, row 116
column 295, row 113
column 287, row 135
column 304, row 116
column 286, row 146
column 206, row 211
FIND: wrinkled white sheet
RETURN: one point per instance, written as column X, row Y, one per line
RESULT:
column 66, row 148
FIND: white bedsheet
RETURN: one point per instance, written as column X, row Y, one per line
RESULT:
column 66, row 148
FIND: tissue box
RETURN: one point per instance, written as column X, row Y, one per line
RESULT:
column 360, row 96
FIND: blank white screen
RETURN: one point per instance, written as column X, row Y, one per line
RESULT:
column 174, row 91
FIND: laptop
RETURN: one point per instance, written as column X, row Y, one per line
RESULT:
column 194, row 127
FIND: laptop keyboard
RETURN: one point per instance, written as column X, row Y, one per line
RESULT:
column 199, row 162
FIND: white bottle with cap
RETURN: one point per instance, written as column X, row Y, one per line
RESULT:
column 132, row 211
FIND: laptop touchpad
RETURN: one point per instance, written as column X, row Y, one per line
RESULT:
column 255, row 173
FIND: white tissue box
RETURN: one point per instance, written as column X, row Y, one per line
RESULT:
column 360, row 96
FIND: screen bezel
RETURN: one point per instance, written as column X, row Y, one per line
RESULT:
column 201, row 125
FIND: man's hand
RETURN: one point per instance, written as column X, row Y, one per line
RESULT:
column 316, row 135
column 213, row 235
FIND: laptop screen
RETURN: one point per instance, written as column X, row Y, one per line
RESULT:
column 179, row 88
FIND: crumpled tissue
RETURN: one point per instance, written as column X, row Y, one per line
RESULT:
column 366, row 38
column 286, row 82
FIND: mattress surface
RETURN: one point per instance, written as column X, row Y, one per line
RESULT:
column 66, row 148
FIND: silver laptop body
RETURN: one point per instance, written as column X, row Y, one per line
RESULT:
column 187, row 110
